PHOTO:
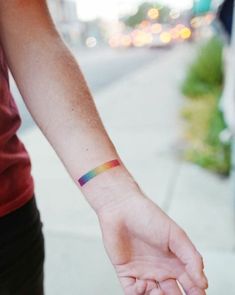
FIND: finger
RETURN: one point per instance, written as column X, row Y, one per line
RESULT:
column 151, row 284
column 189, row 286
column 146, row 287
column 170, row 287
column 129, row 285
column 182, row 247
column 141, row 286
column 157, row 291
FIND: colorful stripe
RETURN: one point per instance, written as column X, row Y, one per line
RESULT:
column 100, row 169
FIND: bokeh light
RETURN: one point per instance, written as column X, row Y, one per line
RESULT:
column 114, row 41
column 156, row 28
column 126, row 41
column 165, row 37
column 91, row 42
column 153, row 13
column 174, row 13
column 141, row 38
column 185, row 33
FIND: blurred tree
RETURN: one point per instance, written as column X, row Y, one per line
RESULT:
column 142, row 14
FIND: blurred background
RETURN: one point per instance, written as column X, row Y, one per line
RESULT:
column 162, row 77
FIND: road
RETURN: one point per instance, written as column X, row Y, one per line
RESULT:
column 101, row 67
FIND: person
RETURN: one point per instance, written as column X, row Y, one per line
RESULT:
column 149, row 251
column 225, row 15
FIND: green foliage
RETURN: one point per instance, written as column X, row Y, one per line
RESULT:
column 205, row 75
column 216, row 160
column 204, row 119
column 142, row 12
column 204, row 125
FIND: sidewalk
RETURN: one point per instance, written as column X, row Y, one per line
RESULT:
column 141, row 114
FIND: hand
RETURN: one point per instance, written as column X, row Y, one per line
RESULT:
column 149, row 251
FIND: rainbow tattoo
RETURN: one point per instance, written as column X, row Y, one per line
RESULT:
column 100, row 169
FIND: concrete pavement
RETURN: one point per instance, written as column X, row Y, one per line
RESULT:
column 141, row 114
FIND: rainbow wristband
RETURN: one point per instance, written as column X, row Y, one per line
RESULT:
column 100, row 169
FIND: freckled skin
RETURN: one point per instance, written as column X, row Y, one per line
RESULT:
column 147, row 249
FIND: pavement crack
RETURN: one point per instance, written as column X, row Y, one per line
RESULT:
column 172, row 185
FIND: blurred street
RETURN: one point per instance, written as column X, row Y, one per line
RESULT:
column 137, row 94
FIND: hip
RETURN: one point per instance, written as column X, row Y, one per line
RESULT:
column 22, row 251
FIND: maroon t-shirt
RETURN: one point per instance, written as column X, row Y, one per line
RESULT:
column 16, row 183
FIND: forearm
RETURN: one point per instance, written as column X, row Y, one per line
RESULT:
column 58, row 98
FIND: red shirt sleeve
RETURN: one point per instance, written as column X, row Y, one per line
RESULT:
column 16, row 182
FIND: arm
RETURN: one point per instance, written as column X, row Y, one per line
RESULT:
column 58, row 98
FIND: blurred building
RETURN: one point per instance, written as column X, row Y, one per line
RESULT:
column 64, row 13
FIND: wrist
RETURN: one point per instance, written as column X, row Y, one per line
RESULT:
column 110, row 189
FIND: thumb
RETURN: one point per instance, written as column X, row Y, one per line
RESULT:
column 182, row 247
